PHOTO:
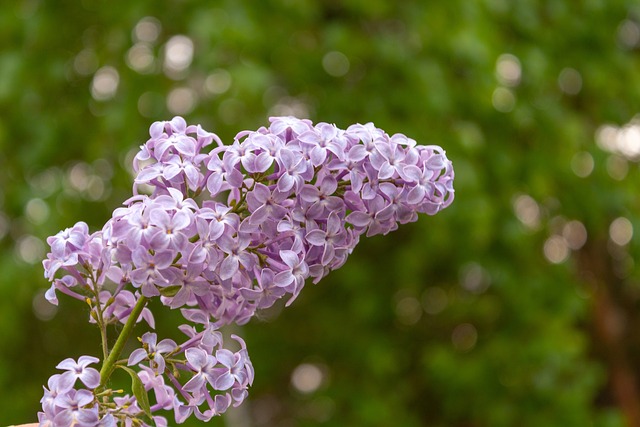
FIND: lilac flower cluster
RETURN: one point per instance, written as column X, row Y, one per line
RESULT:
column 220, row 235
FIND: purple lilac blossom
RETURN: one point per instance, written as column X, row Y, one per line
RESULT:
column 220, row 235
column 90, row 377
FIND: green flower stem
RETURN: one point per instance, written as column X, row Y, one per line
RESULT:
column 110, row 363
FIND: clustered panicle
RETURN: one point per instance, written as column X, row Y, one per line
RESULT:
column 220, row 235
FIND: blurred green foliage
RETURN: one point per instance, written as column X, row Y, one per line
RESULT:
column 493, row 313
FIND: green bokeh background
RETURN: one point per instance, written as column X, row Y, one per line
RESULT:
column 495, row 312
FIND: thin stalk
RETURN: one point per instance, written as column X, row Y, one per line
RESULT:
column 99, row 317
column 103, row 334
column 102, row 325
column 110, row 363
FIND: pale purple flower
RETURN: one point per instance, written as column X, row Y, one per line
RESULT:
column 236, row 250
column 265, row 293
column 192, row 285
column 139, row 229
column 321, row 198
column 122, row 305
column 289, row 127
column 396, row 207
column 173, row 199
column 158, row 421
column 295, row 273
column 178, row 125
column 367, row 133
column 108, row 421
column 156, row 130
column 144, row 157
column 289, row 226
column 324, row 139
column 175, row 144
column 232, row 371
column 255, row 159
column 183, row 411
column 57, row 385
column 217, row 173
column 127, row 404
column 74, row 411
column 219, row 404
column 69, row 240
column 169, row 228
column 164, row 394
column 66, row 247
column 390, row 159
column 222, row 215
column 90, row 377
column 152, row 270
column 328, row 239
column 424, row 186
column 238, row 153
column 177, row 166
column 205, row 251
column 148, row 173
column 295, row 170
column 45, row 418
column 374, row 218
column 203, row 365
column 265, row 204
column 153, row 351
column 261, row 158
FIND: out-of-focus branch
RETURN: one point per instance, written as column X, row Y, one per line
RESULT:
column 608, row 321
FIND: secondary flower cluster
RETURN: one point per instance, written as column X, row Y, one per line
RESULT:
column 222, row 234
